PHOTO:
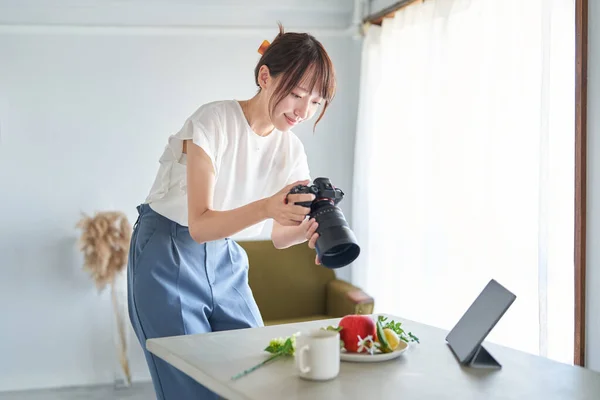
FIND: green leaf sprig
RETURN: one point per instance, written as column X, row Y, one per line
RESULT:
column 278, row 347
column 397, row 327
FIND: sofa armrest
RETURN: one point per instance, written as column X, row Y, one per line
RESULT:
column 344, row 298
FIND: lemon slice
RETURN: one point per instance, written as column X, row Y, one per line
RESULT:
column 392, row 338
column 382, row 339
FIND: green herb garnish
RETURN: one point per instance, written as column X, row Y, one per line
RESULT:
column 397, row 327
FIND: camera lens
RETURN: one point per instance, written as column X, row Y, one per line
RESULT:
column 336, row 246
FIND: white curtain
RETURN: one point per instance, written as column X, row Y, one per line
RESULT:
column 465, row 165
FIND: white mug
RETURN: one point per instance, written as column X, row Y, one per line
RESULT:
column 318, row 354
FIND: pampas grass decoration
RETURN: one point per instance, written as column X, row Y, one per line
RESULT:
column 105, row 245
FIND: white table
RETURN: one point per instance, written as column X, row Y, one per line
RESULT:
column 426, row 371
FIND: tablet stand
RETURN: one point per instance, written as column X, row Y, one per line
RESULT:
column 483, row 359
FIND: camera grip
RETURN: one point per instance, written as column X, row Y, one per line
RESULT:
column 306, row 204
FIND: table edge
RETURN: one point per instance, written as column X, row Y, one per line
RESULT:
column 209, row 382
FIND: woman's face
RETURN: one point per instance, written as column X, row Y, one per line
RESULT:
column 298, row 106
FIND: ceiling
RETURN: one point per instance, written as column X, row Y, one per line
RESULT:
column 179, row 13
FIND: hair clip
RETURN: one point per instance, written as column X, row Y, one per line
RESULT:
column 263, row 47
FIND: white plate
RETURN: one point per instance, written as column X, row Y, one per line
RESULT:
column 375, row 357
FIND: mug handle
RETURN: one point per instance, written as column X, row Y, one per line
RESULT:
column 303, row 368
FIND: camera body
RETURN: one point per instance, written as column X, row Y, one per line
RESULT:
column 337, row 245
column 323, row 191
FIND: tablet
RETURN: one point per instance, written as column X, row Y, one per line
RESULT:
column 473, row 327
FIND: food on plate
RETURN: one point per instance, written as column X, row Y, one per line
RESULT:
column 392, row 338
column 356, row 329
column 371, row 334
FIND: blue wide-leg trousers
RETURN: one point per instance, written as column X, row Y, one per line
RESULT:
column 177, row 286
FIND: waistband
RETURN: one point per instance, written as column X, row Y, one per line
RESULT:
column 144, row 209
column 175, row 227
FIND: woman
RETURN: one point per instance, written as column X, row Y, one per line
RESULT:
column 227, row 171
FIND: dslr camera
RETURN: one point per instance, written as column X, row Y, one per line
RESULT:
column 337, row 245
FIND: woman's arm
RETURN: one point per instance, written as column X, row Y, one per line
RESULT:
column 287, row 236
column 206, row 224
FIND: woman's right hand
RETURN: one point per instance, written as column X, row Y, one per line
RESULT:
column 282, row 209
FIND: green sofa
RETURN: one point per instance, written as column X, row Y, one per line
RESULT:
column 289, row 287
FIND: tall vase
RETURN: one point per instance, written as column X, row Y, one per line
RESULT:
column 122, row 377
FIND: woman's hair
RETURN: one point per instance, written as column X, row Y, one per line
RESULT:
column 292, row 55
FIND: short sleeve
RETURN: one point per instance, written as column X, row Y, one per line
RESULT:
column 204, row 129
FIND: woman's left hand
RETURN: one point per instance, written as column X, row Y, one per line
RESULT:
column 312, row 236
column 286, row 236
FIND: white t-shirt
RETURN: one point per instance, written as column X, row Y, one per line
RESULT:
column 248, row 167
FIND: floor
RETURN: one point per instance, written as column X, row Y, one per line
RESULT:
column 138, row 391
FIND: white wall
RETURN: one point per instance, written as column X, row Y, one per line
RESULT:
column 178, row 13
column 593, row 190
column 83, row 119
